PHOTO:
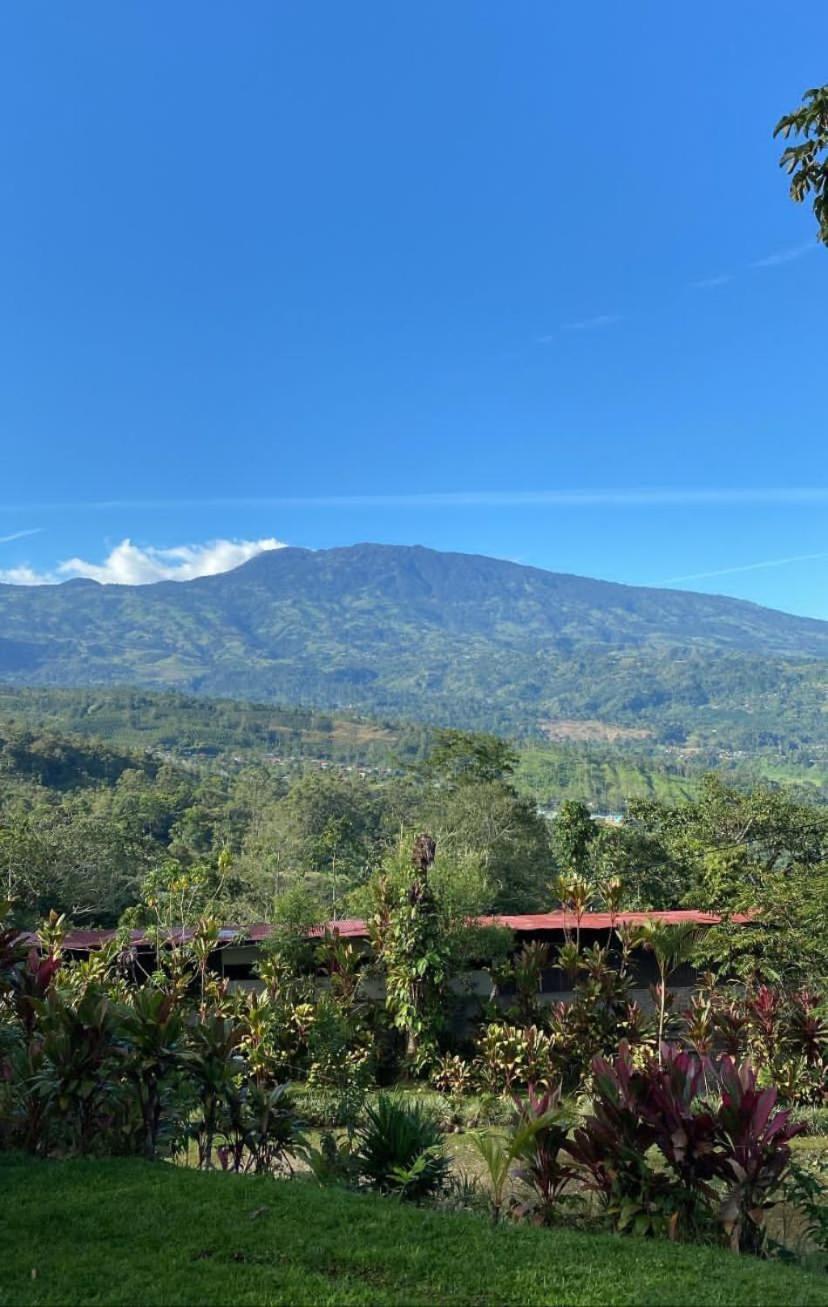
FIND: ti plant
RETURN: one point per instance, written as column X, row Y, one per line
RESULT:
column 725, row 1157
column 544, row 1167
column 610, row 1150
column 153, row 1030
column 671, row 947
column 215, row 1067
column 755, row 1136
column 76, row 1073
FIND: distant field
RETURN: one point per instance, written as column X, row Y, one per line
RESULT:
column 128, row 1232
column 590, row 729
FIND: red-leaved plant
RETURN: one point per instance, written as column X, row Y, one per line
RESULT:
column 755, row 1153
column 713, row 1128
column 544, row 1167
column 808, row 1027
column 610, row 1150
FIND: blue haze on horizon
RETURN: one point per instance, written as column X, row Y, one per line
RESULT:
column 521, row 280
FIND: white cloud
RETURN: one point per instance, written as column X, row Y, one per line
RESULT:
column 24, row 575
column 130, row 564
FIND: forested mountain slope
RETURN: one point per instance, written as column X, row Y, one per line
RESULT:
column 452, row 638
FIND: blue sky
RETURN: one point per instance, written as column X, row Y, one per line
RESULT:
column 514, row 279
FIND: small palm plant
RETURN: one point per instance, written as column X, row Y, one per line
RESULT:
column 671, row 946
column 400, row 1149
column 500, row 1150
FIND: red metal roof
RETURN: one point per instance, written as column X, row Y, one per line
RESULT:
column 533, row 922
column 355, row 928
column 347, row 927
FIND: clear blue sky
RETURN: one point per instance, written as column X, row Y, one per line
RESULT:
column 413, row 263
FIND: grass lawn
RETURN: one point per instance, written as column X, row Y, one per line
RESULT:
column 128, row 1232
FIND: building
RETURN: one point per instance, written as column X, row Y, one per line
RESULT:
column 240, row 948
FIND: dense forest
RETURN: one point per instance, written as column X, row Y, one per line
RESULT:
column 262, row 806
column 577, row 760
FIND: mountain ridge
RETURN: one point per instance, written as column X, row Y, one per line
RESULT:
column 265, row 560
column 463, row 638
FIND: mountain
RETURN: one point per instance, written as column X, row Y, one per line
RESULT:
column 447, row 637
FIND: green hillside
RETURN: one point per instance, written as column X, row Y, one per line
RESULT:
column 94, row 733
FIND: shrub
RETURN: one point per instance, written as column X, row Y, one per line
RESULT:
column 400, row 1149
column 152, row 1026
column 736, row 1147
column 600, row 1015
column 334, row 1161
column 499, row 1150
column 215, row 1067
column 512, row 1057
column 543, row 1166
column 610, row 1151
column 804, row 1193
column 77, row 1074
column 755, row 1141
column 815, row 1119
column 785, row 1034
column 452, row 1075
column 270, row 1129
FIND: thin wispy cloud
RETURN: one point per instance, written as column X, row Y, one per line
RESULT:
column 743, row 567
column 707, row 283
column 592, row 324
column 785, row 256
column 130, row 564
column 20, row 535
column 599, row 497
column 774, row 260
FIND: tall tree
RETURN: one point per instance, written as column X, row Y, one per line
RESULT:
column 467, row 756
column 573, row 831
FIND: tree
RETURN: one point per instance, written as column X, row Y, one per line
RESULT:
column 411, row 943
column 326, row 833
column 573, row 831
column 490, row 824
column 479, row 817
column 66, row 857
column 649, row 878
column 728, row 841
column 807, row 163
column 786, row 940
column 757, row 853
column 459, row 757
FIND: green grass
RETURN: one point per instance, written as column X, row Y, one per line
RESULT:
column 127, row 1232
